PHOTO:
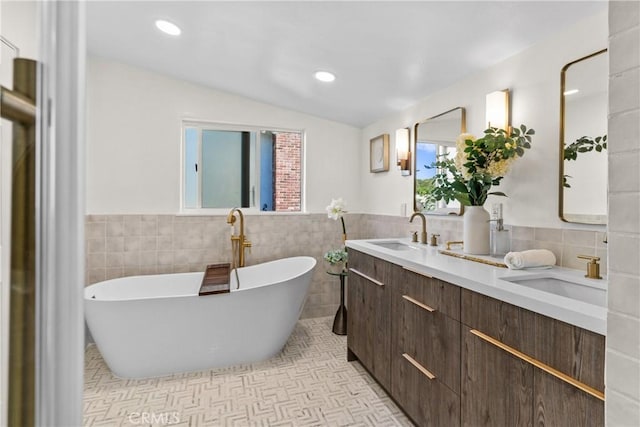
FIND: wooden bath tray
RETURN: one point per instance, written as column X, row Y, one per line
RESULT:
column 216, row 279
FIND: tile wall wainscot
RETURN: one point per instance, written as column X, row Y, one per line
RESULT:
column 129, row 245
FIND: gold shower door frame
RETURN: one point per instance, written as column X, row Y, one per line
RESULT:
column 19, row 106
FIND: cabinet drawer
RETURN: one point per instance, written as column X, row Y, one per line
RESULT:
column 497, row 389
column 574, row 351
column 557, row 398
column 433, row 293
column 514, row 326
column 427, row 401
column 560, row 404
column 370, row 267
column 432, row 339
column 369, row 319
column 571, row 350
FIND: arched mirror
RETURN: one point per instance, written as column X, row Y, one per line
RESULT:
column 583, row 142
column 433, row 137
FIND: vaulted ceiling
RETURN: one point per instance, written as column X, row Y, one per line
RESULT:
column 386, row 55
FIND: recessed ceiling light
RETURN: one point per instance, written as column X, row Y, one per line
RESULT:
column 571, row 92
column 324, row 76
column 168, row 27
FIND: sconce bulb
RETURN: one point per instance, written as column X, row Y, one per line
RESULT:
column 402, row 144
column 402, row 151
column 497, row 109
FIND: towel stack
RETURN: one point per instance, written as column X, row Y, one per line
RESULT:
column 532, row 258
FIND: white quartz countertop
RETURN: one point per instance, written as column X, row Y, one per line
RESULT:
column 490, row 281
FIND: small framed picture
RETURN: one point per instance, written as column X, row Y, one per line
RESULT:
column 379, row 160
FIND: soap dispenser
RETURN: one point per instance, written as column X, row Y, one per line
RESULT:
column 500, row 236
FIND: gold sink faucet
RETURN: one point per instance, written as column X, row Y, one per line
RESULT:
column 423, row 236
column 593, row 268
column 238, row 242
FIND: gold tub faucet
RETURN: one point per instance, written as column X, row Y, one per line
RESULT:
column 238, row 242
column 423, row 235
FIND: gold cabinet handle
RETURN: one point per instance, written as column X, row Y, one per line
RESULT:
column 419, row 304
column 417, row 272
column 538, row 364
column 421, row 368
column 369, row 278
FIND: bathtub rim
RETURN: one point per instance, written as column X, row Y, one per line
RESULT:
column 312, row 262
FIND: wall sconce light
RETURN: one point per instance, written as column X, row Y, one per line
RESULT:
column 497, row 109
column 403, row 153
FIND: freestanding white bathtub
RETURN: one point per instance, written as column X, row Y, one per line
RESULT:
column 149, row 326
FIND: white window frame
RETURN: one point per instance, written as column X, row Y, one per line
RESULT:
column 210, row 125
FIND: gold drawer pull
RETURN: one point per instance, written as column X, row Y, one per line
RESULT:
column 538, row 364
column 417, row 272
column 419, row 304
column 419, row 366
column 369, row 278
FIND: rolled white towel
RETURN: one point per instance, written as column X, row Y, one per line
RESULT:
column 531, row 258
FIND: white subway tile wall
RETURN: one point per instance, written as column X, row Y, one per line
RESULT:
column 622, row 374
column 128, row 245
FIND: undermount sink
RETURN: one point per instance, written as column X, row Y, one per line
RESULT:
column 564, row 285
column 393, row 245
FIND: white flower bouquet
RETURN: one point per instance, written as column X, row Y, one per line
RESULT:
column 479, row 164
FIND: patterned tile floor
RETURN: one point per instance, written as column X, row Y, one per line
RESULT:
column 309, row 384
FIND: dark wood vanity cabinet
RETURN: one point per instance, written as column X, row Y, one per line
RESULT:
column 449, row 356
column 507, row 355
column 425, row 349
column 404, row 328
column 369, row 320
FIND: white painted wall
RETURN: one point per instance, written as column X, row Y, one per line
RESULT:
column 18, row 24
column 134, row 130
column 533, row 77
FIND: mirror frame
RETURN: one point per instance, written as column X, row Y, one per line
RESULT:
column 562, row 142
column 463, row 129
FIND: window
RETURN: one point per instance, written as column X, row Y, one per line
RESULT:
column 231, row 166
